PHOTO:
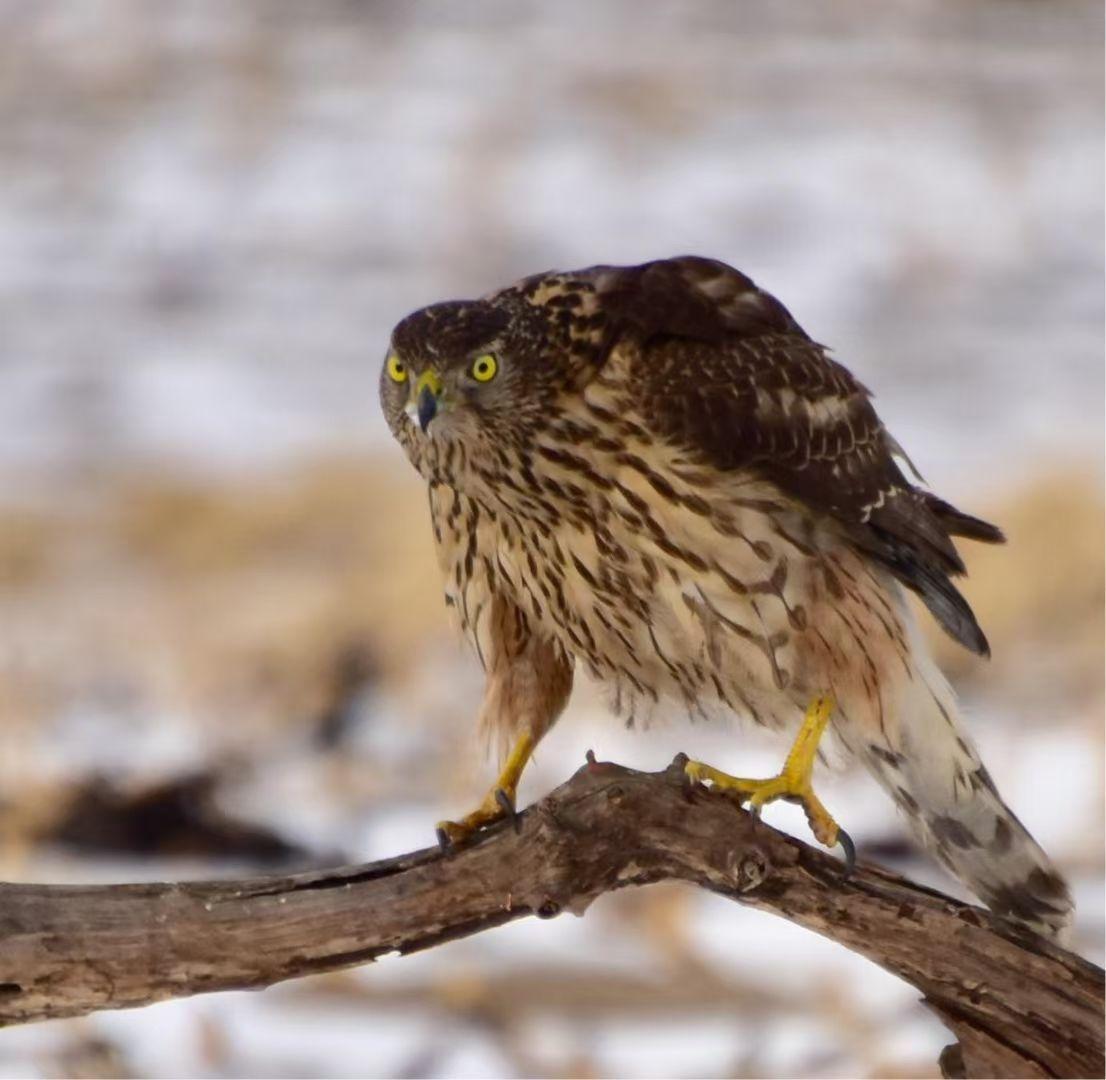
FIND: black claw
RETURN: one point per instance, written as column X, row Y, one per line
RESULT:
column 444, row 841
column 846, row 842
column 508, row 808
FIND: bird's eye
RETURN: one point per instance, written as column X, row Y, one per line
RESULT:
column 484, row 368
column 397, row 369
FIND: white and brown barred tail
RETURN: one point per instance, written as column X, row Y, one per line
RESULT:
column 936, row 776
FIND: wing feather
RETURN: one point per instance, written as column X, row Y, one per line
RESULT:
column 724, row 370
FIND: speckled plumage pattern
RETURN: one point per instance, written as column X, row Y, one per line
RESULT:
column 669, row 483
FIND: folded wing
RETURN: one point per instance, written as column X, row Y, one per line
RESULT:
column 726, row 372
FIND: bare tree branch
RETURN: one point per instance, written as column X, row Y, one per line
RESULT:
column 1018, row 1005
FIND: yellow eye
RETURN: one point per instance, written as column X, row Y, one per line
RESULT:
column 397, row 370
column 484, row 368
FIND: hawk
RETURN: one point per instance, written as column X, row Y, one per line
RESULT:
column 653, row 472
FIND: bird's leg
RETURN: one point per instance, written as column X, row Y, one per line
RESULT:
column 529, row 681
column 499, row 802
column 794, row 782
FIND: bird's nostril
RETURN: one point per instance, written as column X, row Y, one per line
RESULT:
column 427, row 407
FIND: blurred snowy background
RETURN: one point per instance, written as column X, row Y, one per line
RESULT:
column 222, row 648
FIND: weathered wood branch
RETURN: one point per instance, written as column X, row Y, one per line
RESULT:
column 1018, row 1005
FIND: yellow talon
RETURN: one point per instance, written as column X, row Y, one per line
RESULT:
column 499, row 802
column 794, row 781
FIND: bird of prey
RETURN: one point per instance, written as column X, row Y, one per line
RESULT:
column 653, row 472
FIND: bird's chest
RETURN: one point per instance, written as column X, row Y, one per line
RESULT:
column 660, row 586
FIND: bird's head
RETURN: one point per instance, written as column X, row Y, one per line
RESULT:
column 447, row 368
column 483, row 373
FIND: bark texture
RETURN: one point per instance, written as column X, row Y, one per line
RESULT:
column 1018, row 1005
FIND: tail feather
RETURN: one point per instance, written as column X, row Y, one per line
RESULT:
column 980, row 840
column 936, row 776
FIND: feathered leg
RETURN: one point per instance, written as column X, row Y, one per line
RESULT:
column 529, row 679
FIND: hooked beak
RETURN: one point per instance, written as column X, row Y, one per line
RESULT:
column 427, row 407
column 427, row 392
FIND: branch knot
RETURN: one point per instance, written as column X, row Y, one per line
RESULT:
column 747, row 868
